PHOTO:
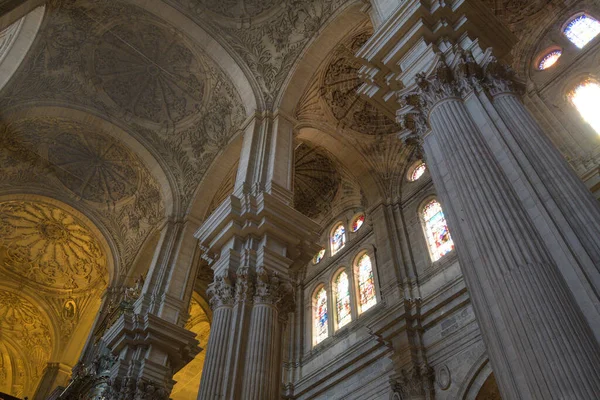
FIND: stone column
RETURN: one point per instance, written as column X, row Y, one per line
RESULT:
column 540, row 343
column 260, row 241
column 55, row 374
column 213, row 373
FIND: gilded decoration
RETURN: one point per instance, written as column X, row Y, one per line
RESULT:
column 22, row 323
column 339, row 90
column 47, row 246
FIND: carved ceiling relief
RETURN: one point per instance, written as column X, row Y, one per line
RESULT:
column 55, row 154
column 151, row 80
column 46, row 246
column 267, row 35
column 23, row 325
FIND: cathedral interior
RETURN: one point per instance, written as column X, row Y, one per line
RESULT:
column 300, row 199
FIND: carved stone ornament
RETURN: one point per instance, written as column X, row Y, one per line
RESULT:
column 244, row 287
column 443, row 377
column 415, row 383
column 458, row 78
column 49, row 247
column 133, row 389
column 221, row 293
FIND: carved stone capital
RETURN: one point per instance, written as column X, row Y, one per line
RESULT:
column 221, row 293
column 500, row 79
column 270, row 289
column 244, row 287
column 132, row 389
column 416, row 382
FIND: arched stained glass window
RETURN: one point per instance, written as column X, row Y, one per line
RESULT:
column 581, row 30
column 549, row 59
column 436, row 230
column 319, row 256
column 358, row 222
column 320, row 316
column 342, row 299
column 366, row 283
column 418, row 171
column 586, row 98
column 338, row 239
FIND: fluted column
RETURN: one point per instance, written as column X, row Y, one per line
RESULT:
column 213, row 373
column 262, row 377
column 540, row 344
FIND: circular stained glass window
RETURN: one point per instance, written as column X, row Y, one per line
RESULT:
column 549, row 59
column 358, row 222
column 417, row 171
column 319, row 256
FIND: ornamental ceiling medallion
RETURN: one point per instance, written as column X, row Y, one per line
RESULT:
column 316, row 181
column 150, row 72
column 339, row 91
column 49, row 247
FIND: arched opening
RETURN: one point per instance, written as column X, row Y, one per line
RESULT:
column 341, row 293
column 581, row 30
column 320, row 316
column 188, row 378
column 55, row 267
column 436, row 230
column 585, row 97
column 489, row 390
column 366, row 283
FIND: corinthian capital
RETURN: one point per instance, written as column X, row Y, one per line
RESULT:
column 272, row 290
column 500, row 78
column 221, row 292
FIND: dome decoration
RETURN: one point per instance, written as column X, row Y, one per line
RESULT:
column 49, row 247
column 316, row 181
column 339, row 88
column 150, row 72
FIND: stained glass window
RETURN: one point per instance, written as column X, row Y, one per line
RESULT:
column 320, row 317
column 436, row 230
column 319, row 256
column 366, row 283
column 586, row 98
column 418, row 171
column 549, row 59
column 338, row 239
column 358, row 222
column 581, row 30
column 342, row 299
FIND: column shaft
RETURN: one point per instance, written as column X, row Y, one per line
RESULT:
column 263, row 354
column 538, row 339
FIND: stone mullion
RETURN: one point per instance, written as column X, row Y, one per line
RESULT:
column 452, row 115
column 575, row 200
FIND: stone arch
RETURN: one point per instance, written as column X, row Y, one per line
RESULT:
column 478, row 377
column 316, row 52
column 65, row 263
column 15, row 42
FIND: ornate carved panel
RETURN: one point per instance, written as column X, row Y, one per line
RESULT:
column 46, row 245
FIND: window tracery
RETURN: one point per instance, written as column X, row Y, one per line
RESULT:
column 549, row 59
column 581, row 30
column 586, row 97
column 320, row 319
column 342, row 299
column 436, row 230
column 366, row 283
column 338, row 239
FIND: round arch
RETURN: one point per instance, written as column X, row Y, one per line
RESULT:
column 113, row 130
